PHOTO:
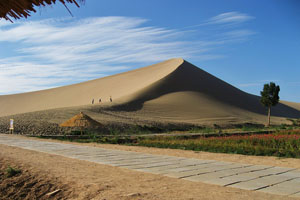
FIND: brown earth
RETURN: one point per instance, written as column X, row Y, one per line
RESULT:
column 27, row 185
column 87, row 180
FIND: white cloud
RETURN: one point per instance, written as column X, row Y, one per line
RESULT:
column 242, row 33
column 256, row 83
column 243, row 85
column 224, row 19
column 55, row 52
column 293, row 83
column 4, row 22
column 230, row 18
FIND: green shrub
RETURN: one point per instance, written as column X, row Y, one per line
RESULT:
column 10, row 172
column 202, row 130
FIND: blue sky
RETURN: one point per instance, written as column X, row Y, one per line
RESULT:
column 245, row 43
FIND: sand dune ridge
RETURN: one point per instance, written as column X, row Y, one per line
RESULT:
column 173, row 89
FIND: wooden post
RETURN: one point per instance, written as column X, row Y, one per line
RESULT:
column 11, row 126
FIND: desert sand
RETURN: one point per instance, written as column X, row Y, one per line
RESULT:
column 172, row 91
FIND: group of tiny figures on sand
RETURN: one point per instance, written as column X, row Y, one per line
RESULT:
column 110, row 99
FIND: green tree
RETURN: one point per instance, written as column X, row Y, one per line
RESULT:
column 270, row 97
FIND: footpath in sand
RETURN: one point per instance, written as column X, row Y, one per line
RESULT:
column 232, row 176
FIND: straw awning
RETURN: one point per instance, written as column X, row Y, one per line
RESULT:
column 21, row 8
column 81, row 120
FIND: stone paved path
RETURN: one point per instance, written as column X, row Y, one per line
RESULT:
column 270, row 179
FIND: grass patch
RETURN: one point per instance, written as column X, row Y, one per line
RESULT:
column 247, row 139
column 10, row 171
column 295, row 122
column 280, row 144
column 202, row 130
column 126, row 129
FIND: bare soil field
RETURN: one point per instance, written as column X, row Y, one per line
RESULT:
column 28, row 184
column 86, row 180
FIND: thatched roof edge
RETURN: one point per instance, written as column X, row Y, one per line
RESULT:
column 21, row 8
column 87, row 121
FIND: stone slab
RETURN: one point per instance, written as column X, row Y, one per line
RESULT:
column 274, row 180
column 297, row 195
column 285, row 188
column 165, row 169
column 260, row 183
column 140, row 162
column 190, row 168
column 149, row 165
column 242, row 177
column 242, row 170
column 205, row 170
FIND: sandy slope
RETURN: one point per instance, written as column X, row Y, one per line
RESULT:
column 117, row 86
column 292, row 104
column 191, row 94
column 173, row 90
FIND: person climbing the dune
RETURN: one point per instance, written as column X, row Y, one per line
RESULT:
column 93, row 101
column 110, row 99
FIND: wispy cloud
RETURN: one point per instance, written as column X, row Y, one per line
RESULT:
column 55, row 52
column 293, row 83
column 244, row 85
column 256, row 83
column 51, row 53
column 224, row 19
column 230, row 18
column 240, row 33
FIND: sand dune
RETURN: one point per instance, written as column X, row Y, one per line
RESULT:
column 174, row 89
column 117, row 86
column 195, row 94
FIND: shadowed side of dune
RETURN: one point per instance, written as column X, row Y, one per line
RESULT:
column 203, row 90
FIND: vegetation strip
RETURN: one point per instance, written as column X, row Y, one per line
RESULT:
column 281, row 144
column 278, row 141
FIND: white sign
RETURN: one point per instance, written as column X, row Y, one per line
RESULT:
column 11, row 124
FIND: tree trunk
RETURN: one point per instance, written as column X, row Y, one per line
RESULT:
column 269, row 115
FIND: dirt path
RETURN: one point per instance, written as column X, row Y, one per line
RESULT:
column 86, row 180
